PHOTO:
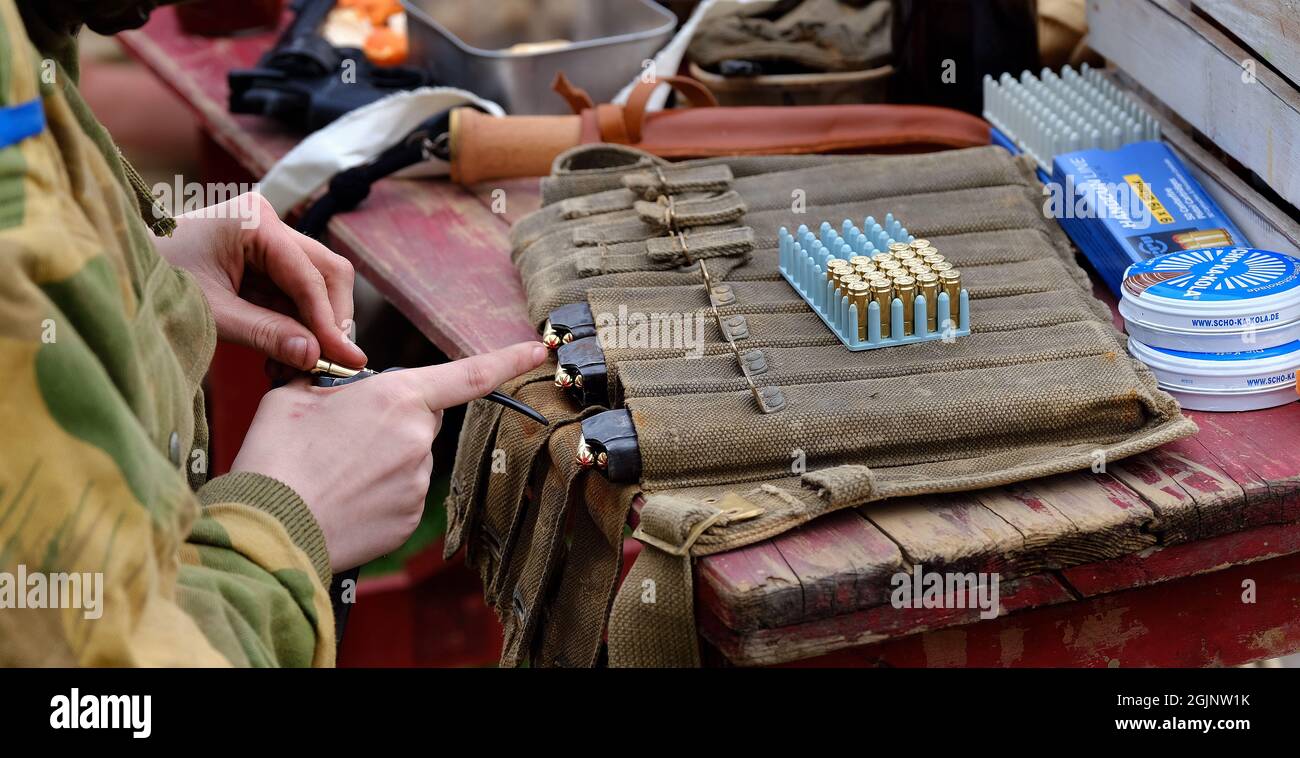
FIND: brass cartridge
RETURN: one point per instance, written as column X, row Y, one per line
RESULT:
column 858, row 260
column 865, row 270
column 950, row 282
column 905, row 290
column 878, row 276
column 585, row 457
column 859, row 295
column 880, row 258
column 919, row 244
column 897, row 246
column 940, row 267
column 903, row 256
column 933, row 258
column 928, row 285
column 888, row 265
column 835, row 273
column 1203, row 238
column 882, row 292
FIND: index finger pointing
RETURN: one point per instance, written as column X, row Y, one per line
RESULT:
column 450, row 384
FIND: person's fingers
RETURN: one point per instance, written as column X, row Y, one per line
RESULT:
column 450, row 384
column 338, row 273
column 293, row 271
column 274, row 334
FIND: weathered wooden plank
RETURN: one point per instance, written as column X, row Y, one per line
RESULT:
column 1191, row 498
column 1267, row 442
column 512, row 199
column 442, row 259
column 1232, row 447
column 1193, row 621
column 1073, row 518
column 1270, row 28
column 1252, row 115
column 742, row 587
column 843, row 563
column 951, row 532
column 1161, row 564
column 767, row 647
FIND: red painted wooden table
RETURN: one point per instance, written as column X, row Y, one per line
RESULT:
column 1189, row 555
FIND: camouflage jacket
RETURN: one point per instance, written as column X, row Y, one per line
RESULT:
column 102, row 433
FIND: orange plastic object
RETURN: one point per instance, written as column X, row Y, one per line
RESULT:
column 385, row 47
column 377, row 11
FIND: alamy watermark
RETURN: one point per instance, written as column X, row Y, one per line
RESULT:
column 1131, row 204
column 946, row 589
column 37, row 589
column 652, row 331
column 78, row 711
column 237, row 200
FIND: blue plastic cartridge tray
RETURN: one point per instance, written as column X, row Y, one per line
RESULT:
column 875, row 288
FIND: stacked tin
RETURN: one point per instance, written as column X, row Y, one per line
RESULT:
column 1219, row 327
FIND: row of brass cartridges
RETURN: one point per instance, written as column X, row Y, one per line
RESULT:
column 908, row 269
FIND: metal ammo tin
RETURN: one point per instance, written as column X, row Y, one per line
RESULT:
column 1215, row 300
column 1241, row 381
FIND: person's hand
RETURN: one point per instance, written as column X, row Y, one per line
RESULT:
column 360, row 454
column 270, row 287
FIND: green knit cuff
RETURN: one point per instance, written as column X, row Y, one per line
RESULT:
column 279, row 500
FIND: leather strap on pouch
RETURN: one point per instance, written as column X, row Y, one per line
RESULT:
column 490, row 147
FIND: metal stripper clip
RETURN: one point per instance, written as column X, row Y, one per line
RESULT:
column 609, row 444
column 581, row 371
column 568, row 323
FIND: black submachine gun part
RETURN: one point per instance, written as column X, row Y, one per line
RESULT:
column 306, row 82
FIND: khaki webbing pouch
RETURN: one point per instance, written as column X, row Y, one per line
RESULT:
column 757, row 419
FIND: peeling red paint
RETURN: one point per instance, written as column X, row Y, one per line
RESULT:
column 1144, row 472
column 1201, row 481
column 1033, row 503
column 1116, row 492
column 958, row 517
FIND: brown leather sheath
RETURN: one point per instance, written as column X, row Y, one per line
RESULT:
column 487, row 147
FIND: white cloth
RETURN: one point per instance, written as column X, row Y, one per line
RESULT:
column 358, row 137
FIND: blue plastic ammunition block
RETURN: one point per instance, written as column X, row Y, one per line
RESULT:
column 1051, row 114
column 803, row 259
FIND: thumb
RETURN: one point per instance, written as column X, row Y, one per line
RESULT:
column 458, row 382
column 276, row 335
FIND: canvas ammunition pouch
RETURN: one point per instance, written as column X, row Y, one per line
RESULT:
column 745, row 416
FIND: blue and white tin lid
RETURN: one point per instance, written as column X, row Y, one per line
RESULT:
column 1213, row 300
column 1240, row 380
